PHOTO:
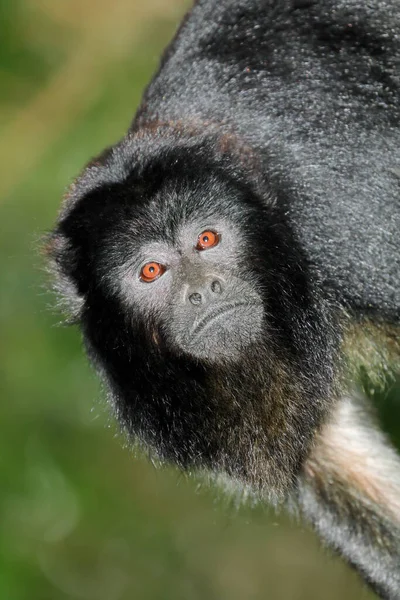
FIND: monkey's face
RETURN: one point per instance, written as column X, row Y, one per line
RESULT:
column 195, row 289
column 179, row 263
column 192, row 307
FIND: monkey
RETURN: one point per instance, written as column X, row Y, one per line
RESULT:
column 233, row 262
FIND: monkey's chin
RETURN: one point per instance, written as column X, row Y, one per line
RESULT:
column 225, row 336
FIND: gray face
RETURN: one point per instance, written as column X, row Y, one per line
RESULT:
column 197, row 290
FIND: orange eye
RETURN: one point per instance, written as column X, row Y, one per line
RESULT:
column 207, row 239
column 151, row 271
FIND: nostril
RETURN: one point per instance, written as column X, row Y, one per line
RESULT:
column 195, row 298
column 216, row 287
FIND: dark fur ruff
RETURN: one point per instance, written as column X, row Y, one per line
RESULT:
column 253, row 420
column 282, row 117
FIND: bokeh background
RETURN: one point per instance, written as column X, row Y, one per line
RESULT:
column 80, row 516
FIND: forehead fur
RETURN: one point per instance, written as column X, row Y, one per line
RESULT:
column 160, row 215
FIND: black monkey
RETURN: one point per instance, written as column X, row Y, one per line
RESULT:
column 234, row 261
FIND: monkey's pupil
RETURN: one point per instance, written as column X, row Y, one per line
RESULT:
column 205, row 239
column 151, row 269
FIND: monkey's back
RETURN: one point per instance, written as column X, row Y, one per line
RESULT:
column 314, row 87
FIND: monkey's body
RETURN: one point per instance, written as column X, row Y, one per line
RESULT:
column 225, row 259
column 316, row 91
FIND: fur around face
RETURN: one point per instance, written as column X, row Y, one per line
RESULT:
column 252, row 418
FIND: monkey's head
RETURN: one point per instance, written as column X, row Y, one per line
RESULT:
column 198, row 308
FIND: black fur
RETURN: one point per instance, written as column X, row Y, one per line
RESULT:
column 202, row 415
column 280, row 118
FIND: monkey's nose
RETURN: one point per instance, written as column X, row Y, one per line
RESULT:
column 195, row 298
column 216, row 287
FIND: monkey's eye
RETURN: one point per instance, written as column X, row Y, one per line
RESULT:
column 151, row 271
column 207, row 239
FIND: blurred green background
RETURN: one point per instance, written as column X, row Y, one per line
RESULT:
column 81, row 517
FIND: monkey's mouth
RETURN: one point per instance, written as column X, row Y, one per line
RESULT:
column 223, row 311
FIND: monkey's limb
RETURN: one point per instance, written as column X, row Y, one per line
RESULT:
column 350, row 492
